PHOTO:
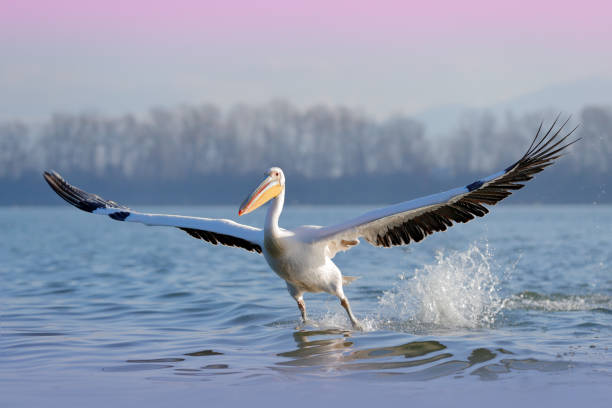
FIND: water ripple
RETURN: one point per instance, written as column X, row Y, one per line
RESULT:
column 137, row 303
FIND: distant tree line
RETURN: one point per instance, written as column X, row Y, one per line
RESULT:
column 334, row 144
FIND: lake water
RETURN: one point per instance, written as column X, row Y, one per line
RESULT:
column 509, row 309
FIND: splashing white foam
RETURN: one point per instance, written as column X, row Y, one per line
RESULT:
column 337, row 319
column 458, row 290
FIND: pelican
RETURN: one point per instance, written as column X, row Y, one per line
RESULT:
column 302, row 257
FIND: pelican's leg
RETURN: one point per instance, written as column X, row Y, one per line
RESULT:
column 302, row 307
column 345, row 304
column 339, row 291
column 297, row 295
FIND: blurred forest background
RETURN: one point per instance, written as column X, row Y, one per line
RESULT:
column 206, row 155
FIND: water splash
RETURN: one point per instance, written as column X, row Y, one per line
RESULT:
column 459, row 290
column 337, row 319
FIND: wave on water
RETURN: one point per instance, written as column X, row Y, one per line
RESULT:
column 460, row 289
column 558, row 302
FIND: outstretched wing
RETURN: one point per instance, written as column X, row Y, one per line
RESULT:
column 413, row 220
column 215, row 231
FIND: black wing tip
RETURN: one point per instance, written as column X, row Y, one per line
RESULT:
column 544, row 148
column 51, row 175
column 63, row 189
column 54, row 179
column 75, row 196
column 542, row 152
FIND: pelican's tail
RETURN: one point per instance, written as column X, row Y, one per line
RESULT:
column 348, row 279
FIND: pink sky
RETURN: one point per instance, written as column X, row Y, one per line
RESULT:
column 377, row 20
column 384, row 56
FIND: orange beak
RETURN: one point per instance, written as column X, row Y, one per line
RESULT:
column 265, row 191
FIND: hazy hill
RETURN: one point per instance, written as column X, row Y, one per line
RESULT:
column 568, row 98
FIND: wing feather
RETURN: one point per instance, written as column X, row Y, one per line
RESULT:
column 412, row 221
column 214, row 231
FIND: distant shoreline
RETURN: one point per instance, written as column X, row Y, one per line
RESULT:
column 553, row 186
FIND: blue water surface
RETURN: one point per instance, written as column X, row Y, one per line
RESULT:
column 510, row 309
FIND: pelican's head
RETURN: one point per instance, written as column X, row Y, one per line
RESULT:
column 271, row 186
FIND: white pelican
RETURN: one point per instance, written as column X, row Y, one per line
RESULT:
column 303, row 256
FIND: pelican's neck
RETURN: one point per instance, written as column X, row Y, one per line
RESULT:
column 274, row 211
